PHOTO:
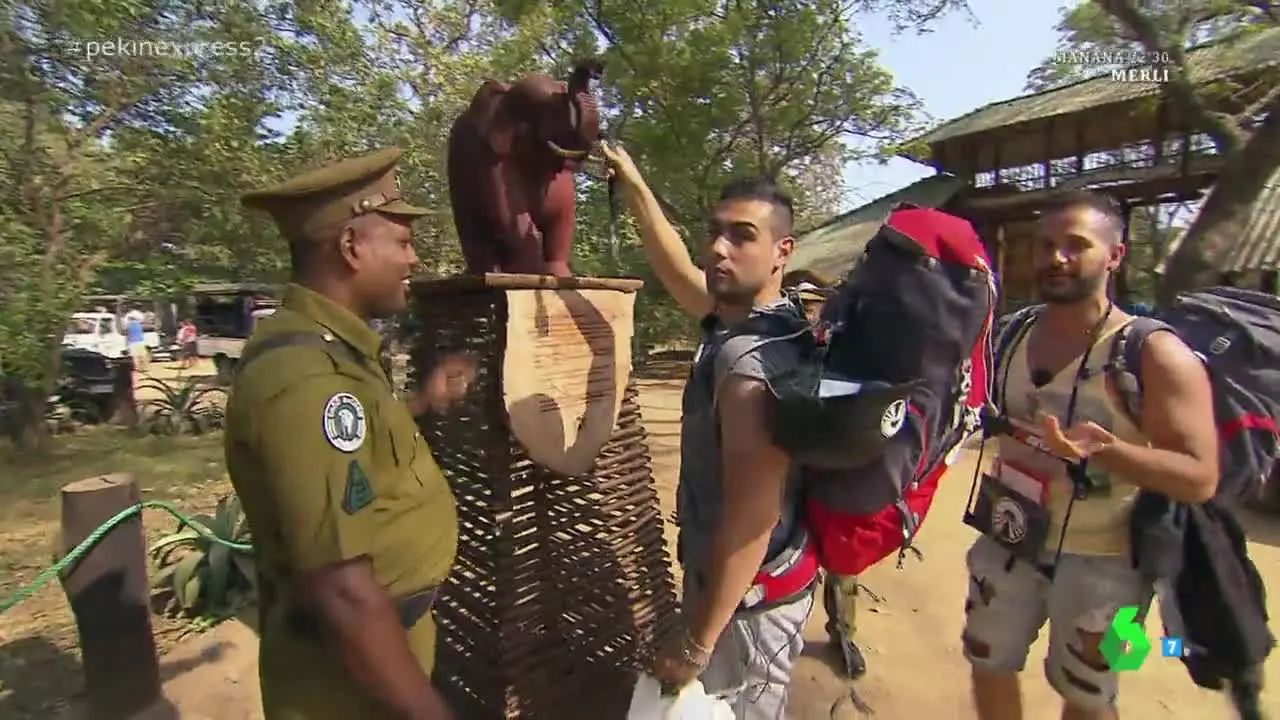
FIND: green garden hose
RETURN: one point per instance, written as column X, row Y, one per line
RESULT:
column 87, row 544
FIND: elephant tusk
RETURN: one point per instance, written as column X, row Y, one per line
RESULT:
column 570, row 154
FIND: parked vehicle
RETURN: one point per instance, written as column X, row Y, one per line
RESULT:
column 225, row 316
column 103, row 333
column 86, row 385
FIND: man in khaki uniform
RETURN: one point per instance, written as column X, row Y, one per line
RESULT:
column 353, row 522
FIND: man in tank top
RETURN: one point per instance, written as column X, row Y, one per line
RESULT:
column 1056, row 387
column 737, row 500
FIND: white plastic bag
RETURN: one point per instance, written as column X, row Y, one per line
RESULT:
column 692, row 703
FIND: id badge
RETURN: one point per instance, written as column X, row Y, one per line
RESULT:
column 1026, row 482
column 1018, row 523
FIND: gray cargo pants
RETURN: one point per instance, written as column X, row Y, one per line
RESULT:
column 752, row 661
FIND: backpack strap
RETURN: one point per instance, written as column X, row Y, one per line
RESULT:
column 1124, row 362
column 775, row 326
column 1015, row 329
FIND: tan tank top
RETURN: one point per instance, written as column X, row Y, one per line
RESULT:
column 1098, row 525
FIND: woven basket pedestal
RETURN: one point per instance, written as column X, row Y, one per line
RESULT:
column 562, row 583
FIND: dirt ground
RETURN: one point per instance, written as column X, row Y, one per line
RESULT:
column 911, row 639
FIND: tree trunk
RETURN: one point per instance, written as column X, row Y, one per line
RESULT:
column 28, row 430
column 1225, row 213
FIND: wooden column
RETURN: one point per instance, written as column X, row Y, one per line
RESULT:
column 1162, row 129
column 1120, row 288
column 1047, row 163
column 1080, row 154
column 1185, row 160
column 108, row 592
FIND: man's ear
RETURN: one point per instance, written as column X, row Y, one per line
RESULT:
column 348, row 247
column 783, row 249
column 1118, row 253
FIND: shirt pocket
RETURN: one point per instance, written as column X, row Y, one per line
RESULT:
column 405, row 443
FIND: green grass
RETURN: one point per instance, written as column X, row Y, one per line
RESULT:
column 163, row 466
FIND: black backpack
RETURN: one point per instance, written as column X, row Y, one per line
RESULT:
column 1218, row 600
column 1237, row 334
column 888, row 383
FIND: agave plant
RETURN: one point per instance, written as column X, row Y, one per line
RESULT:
column 196, row 575
column 186, row 406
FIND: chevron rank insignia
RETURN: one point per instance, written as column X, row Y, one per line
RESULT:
column 359, row 493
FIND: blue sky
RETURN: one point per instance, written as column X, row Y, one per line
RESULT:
column 960, row 66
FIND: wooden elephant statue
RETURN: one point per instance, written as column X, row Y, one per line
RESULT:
column 511, row 159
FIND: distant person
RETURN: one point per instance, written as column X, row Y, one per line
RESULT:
column 135, row 338
column 812, row 290
column 187, row 341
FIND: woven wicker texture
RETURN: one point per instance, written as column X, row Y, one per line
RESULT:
column 562, row 585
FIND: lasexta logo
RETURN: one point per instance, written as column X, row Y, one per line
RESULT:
column 1125, row 646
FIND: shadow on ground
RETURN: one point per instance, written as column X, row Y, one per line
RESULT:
column 176, row 668
column 34, row 675
column 29, row 670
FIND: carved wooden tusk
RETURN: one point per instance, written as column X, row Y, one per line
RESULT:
column 571, row 154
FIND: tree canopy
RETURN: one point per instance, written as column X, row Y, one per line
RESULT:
column 122, row 164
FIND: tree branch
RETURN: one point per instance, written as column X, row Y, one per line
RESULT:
column 1267, row 104
column 1227, row 135
column 94, row 191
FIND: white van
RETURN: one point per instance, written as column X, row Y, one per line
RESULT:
column 102, row 332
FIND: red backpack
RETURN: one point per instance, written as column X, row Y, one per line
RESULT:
column 915, row 315
column 887, row 384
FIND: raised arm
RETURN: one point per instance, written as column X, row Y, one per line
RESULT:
column 666, row 251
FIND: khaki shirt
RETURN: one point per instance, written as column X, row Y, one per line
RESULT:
column 329, row 466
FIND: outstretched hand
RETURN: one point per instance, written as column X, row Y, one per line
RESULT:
column 619, row 163
column 447, row 383
column 1077, row 442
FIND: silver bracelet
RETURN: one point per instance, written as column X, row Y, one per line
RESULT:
column 693, row 653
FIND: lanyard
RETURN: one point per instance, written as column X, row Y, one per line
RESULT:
column 1082, row 370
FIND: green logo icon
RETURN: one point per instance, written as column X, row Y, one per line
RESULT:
column 1125, row 646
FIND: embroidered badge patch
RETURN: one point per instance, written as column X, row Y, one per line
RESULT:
column 344, row 422
column 359, row 493
column 893, row 418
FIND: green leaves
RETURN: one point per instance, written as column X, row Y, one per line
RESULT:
column 194, row 573
column 185, row 406
column 120, row 173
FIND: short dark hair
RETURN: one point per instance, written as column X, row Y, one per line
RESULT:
column 1101, row 203
column 762, row 187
